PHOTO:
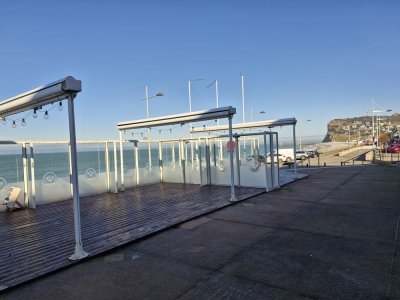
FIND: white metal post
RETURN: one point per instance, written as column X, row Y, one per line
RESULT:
column 107, row 162
column 160, row 160
column 121, row 154
column 71, row 184
column 294, row 150
column 233, row 197
column 115, row 167
column 237, row 159
column 217, row 96
column 265, row 160
column 243, row 112
column 148, row 129
column 373, row 124
column 182, row 158
column 277, row 151
column 79, row 252
column 271, row 147
column 32, row 201
column 200, row 163
column 25, row 172
column 137, row 162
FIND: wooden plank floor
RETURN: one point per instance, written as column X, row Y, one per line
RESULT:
column 36, row 242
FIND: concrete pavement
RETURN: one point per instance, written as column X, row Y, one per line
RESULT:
column 329, row 236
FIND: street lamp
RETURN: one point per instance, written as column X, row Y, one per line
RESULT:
column 300, row 129
column 216, row 93
column 373, row 120
column 159, row 94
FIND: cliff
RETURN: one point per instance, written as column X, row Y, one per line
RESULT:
column 360, row 128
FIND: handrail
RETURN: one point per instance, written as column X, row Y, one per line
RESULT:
column 343, row 163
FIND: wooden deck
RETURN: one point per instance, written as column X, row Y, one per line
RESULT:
column 36, row 242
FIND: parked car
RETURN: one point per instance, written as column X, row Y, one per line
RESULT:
column 300, row 154
column 278, row 158
column 393, row 148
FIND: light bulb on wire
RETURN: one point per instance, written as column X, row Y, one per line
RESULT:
column 46, row 115
column 60, row 106
column 35, row 115
column 4, row 121
column 23, row 122
column 14, row 125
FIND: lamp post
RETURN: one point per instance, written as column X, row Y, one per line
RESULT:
column 373, row 120
column 300, row 129
column 216, row 93
column 159, row 94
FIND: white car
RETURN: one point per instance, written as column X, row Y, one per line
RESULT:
column 280, row 158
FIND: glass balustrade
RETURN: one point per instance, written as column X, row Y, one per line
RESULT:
column 11, row 171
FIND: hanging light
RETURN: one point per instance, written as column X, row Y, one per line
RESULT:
column 23, row 122
column 170, row 130
column 4, row 121
column 46, row 115
column 159, row 131
column 60, row 106
column 14, row 125
column 35, row 115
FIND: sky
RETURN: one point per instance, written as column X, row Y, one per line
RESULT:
column 312, row 60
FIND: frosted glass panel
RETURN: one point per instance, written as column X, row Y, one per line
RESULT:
column 52, row 182
column 149, row 170
column 192, row 169
column 91, row 169
column 172, row 169
column 11, row 172
column 129, row 165
column 220, row 162
column 252, row 167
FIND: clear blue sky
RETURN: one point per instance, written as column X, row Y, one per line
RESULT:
column 314, row 60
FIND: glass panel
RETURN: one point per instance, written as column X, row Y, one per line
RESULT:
column 149, row 170
column 172, row 170
column 129, row 165
column 91, row 169
column 11, row 171
column 276, row 166
column 220, row 162
column 252, row 167
column 52, row 182
column 192, row 163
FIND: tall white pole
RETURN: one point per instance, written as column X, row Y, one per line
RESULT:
column 243, row 112
column 148, row 130
column 190, row 97
column 216, row 96
column 216, row 92
column 373, row 123
column 233, row 197
column 79, row 252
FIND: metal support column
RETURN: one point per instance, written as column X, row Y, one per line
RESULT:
column 121, row 156
column 107, row 163
column 273, row 155
column 182, row 157
column 237, row 159
column 200, row 164
column 137, row 162
column 71, row 185
column 160, row 161
column 25, row 172
column 115, row 167
column 233, row 197
column 79, row 252
column 265, row 164
column 208, row 162
column 294, row 150
column 277, row 152
column 32, row 201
